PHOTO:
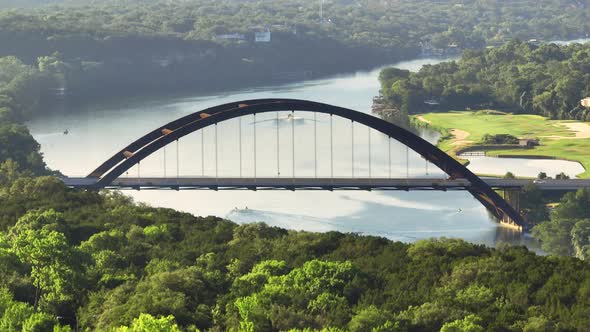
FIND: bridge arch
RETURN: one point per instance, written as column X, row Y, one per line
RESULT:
column 134, row 153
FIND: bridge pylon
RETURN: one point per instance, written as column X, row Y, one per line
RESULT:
column 512, row 196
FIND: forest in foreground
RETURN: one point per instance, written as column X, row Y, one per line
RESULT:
column 103, row 263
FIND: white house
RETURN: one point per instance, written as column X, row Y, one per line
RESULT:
column 262, row 36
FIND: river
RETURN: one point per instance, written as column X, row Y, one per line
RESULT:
column 97, row 131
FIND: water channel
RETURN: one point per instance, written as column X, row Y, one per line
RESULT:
column 97, row 131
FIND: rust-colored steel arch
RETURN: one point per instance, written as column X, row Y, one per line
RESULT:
column 157, row 139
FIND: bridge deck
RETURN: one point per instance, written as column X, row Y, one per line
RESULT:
column 301, row 183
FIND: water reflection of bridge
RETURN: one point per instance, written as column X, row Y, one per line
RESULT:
column 112, row 173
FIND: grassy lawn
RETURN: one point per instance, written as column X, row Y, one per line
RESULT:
column 567, row 147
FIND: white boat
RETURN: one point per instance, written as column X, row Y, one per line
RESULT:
column 291, row 117
column 288, row 118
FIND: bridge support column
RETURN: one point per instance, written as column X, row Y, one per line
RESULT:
column 513, row 198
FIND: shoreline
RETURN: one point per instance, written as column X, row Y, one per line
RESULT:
column 199, row 90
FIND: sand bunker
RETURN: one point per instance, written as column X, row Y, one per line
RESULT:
column 580, row 129
column 460, row 137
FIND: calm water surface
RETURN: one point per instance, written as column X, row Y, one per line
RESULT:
column 98, row 131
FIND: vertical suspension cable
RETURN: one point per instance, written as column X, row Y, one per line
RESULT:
column 426, row 163
column 293, row 139
column 315, row 143
column 240, row 140
column 254, row 145
column 389, row 150
column 216, row 152
column 139, row 175
column 278, row 148
column 331, row 146
column 202, row 151
column 369, row 152
column 407, row 162
column 177, row 162
column 352, row 145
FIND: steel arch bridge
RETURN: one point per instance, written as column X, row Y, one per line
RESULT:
column 105, row 175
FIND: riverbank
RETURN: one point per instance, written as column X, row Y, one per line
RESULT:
column 221, row 84
column 558, row 139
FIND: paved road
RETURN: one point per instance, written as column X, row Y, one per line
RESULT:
column 187, row 183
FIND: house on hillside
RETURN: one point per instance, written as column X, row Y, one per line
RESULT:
column 262, row 36
column 535, row 42
column 585, row 102
column 453, row 49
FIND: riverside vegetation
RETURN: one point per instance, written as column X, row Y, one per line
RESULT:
column 519, row 77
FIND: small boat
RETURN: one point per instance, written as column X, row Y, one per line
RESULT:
column 288, row 118
column 291, row 117
column 66, row 132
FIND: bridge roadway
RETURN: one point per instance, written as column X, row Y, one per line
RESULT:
column 311, row 183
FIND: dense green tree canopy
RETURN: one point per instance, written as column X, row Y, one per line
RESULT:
column 135, row 46
column 521, row 77
column 138, row 267
column 568, row 230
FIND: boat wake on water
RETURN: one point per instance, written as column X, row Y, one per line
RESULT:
column 284, row 220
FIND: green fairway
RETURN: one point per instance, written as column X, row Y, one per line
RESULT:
column 463, row 129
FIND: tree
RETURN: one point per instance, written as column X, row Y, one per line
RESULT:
column 580, row 235
column 37, row 220
column 561, row 176
column 14, row 316
column 555, row 235
column 39, row 322
column 430, row 315
column 539, row 324
column 468, row 324
column 319, row 292
column 149, row 323
column 51, row 260
column 509, row 175
column 368, row 319
column 573, row 206
column 533, row 204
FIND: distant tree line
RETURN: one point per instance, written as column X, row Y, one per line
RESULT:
column 546, row 79
column 136, row 46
